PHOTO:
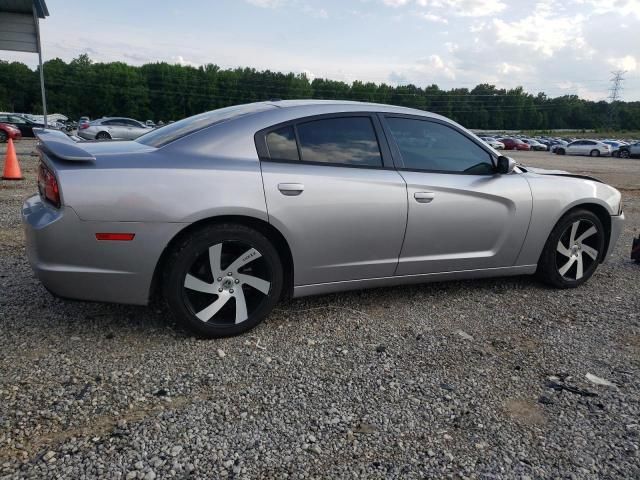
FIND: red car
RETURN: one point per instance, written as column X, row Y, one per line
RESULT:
column 9, row 132
column 514, row 144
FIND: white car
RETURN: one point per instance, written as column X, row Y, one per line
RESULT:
column 592, row 148
column 112, row 128
column 492, row 142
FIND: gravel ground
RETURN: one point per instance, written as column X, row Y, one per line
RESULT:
column 478, row 379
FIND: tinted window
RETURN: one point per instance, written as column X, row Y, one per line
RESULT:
column 4, row 118
column 17, row 120
column 282, row 144
column 173, row 131
column 428, row 145
column 348, row 140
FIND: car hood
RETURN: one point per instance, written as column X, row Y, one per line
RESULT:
column 560, row 173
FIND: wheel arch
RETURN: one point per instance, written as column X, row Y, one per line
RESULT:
column 599, row 211
column 268, row 230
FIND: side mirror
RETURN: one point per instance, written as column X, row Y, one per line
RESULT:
column 506, row 165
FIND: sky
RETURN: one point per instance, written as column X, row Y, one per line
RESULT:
column 555, row 46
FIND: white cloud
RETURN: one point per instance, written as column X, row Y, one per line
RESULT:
column 266, row 3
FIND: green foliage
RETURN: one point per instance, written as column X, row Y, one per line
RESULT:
column 161, row 91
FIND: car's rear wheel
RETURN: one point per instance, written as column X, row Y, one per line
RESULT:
column 594, row 153
column 560, row 151
column 223, row 280
column 103, row 136
column 623, row 154
column 573, row 250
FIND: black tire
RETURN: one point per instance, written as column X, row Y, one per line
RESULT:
column 560, row 151
column 191, row 258
column 624, row 154
column 552, row 266
column 103, row 136
column 3, row 136
column 594, row 153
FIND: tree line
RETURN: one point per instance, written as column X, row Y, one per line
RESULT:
column 161, row 91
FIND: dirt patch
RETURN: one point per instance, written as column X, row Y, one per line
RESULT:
column 525, row 412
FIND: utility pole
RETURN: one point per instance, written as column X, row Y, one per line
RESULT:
column 614, row 97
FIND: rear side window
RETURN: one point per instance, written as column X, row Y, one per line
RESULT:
column 426, row 145
column 343, row 140
column 282, row 144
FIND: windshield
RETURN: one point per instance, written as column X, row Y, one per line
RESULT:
column 167, row 134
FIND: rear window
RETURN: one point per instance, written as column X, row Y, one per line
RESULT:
column 169, row 133
column 345, row 140
column 282, row 144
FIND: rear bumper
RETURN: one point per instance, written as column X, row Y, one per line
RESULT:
column 617, row 224
column 71, row 263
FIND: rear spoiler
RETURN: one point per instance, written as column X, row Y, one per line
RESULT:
column 58, row 144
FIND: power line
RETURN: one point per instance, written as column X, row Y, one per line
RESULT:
column 614, row 96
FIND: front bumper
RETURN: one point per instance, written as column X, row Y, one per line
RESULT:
column 70, row 262
column 617, row 224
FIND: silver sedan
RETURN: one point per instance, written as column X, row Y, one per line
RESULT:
column 113, row 128
column 225, row 213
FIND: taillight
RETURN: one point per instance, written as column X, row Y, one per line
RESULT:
column 48, row 186
column 82, row 126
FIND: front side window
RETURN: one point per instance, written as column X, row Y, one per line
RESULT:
column 17, row 120
column 344, row 140
column 282, row 144
column 426, row 145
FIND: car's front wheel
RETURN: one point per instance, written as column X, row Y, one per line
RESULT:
column 103, row 136
column 573, row 250
column 595, row 153
column 223, row 280
column 623, row 154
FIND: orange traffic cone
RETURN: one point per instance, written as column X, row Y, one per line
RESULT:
column 11, row 165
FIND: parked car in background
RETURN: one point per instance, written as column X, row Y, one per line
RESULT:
column 534, row 144
column 113, row 128
column 555, row 143
column 492, row 142
column 514, row 144
column 22, row 123
column 150, row 123
column 8, row 131
column 83, row 122
column 615, row 146
column 629, row 151
column 591, row 148
column 232, row 210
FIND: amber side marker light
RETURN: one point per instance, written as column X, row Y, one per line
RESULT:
column 115, row 237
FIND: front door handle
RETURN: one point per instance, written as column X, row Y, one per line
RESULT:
column 424, row 197
column 291, row 189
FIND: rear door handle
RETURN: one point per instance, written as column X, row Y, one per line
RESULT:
column 424, row 197
column 291, row 189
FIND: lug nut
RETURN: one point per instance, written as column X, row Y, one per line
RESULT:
column 220, row 290
column 219, row 279
column 231, row 291
column 229, row 273
column 237, row 281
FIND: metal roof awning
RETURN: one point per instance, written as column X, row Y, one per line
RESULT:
column 18, row 24
column 20, row 31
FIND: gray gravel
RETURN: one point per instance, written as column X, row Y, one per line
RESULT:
column 461, row 379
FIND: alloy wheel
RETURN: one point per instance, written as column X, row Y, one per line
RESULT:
column 226, row 283
column 576, row 251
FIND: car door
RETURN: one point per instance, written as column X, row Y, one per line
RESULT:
column 133, row 129
column 21, row 124
column 575, row 148
column 331, row 189
column 462, row 215
column 634, row 149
